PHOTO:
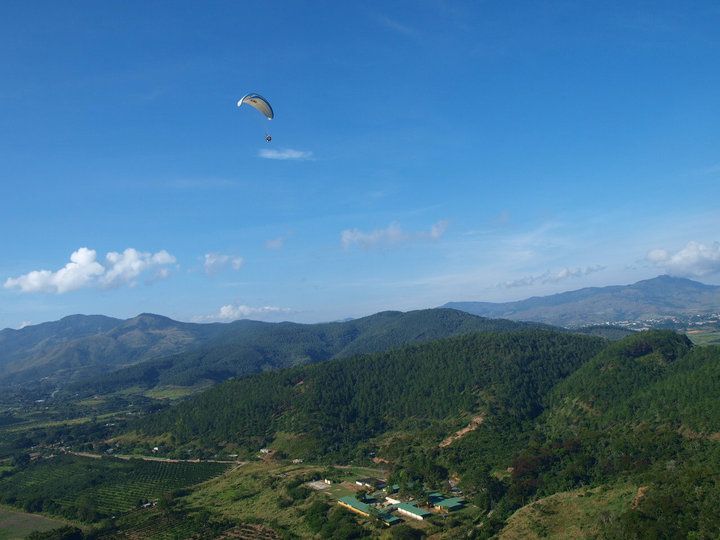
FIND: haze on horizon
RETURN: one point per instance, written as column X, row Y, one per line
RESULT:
column 422, row 152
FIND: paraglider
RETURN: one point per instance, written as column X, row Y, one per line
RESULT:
column 262, row 105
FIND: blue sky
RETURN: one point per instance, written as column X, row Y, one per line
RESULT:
column 431, row 151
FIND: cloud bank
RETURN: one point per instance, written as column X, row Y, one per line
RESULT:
column 84, row 271
column 285, row 154
column 393, row 234
column 552, row 277
column 216, row 262
column 694, row 260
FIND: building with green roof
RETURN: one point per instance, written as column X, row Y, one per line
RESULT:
column 412, row 511
column 450, row 505
column 389, row 519
column 352, row 504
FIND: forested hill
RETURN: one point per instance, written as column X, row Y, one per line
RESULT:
column 80, row 347
column 657, row 297
column 553, row 414
column 248, row 347
column 340, row 406
column 644, row 413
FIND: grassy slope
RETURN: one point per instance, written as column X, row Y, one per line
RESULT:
column 251, row 493
column 644, row 412
column 15, row 525
column 705, row 337
column 571, row 515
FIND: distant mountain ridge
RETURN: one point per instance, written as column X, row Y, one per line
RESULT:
column 250, row 347
column 86, row 344
column 152, row 349
column 658, row 297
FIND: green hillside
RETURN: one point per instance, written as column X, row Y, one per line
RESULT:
column 559, row 412
column 643, row 411
column 339, row 405
column 248, row 347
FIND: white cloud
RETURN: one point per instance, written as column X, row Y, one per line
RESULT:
column 232, row 312
column 552, row 277
column 85, row 271
column 285, row 154
column 82, row 270
column 275, row 243
column 124, row 268
column 695, row 259
column 216, row 262
column 391, row 235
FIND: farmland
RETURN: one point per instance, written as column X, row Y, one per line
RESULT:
column 707, row 336
column 90, row 489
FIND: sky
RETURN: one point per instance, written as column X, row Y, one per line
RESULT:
column 423, row 151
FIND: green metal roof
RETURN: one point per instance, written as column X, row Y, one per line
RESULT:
column 452, row 502
column 413, row 509
column 352, row 501
column 389, row 519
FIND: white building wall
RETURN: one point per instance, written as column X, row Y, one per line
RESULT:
column 410, row 514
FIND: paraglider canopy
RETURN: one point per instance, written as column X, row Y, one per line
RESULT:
column 259, row 103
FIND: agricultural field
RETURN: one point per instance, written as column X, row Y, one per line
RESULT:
column 162, row 525
column 175, row 392
column 15, row 524
column 260, row 500
column 705, row 337
column 90, row 489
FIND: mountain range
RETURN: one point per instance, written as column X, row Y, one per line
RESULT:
column 663, row 296
column 148, row 350
column 541, row 429
column 151, row 350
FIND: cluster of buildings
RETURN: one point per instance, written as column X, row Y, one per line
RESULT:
column 677, row 322
column 389, row 507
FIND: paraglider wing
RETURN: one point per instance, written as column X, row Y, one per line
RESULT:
column 258, row 102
